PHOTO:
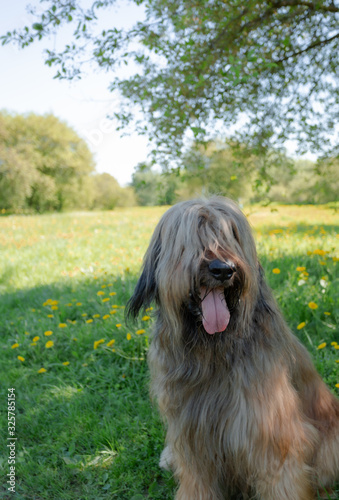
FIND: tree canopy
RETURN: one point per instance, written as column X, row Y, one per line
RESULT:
column 259, row 72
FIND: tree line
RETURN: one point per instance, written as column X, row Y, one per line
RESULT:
column 46, row 166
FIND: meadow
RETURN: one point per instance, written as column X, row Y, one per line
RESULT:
column 84, row 424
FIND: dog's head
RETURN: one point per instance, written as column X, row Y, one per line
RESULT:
column 201, row 263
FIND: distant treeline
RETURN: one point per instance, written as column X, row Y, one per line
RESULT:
column 46, row 166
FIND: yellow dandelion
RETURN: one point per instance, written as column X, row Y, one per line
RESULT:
column 110, row 343
column 128, row 336
column 112, row 293
column 35, row 339
column 106, row 299
column 106, row 316
column 334, row 343
column 42, row 370
column 140, row 332
column 149, row 309
column 14, row 346
column 337, row 360
column 115, row 306
column 84, row 314
column 113, row 312
column 33, row 343
column 65, row 363
column 301, row 268
column 327, row 313
column 96, row 315
column 48, row 333
column 89, row 321
column 312, row 305
column 62, row 325
column 103, row 286
column 50, row 316
column 100, row 292
column 301, row 325
column 78, row 304
column 317, row 251
column 49, row 344
column 54, row 308
column 321, row 346
column 21, row 358
column 33, row 310
column 276, row 270
column 145, row 318
column 26, row 333
column 337, row 385
column 336, row 347
column 98, row 342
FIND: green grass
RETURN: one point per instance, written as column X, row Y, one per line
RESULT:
column 86, row 429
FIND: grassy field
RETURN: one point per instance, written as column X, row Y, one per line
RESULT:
column 84, row 424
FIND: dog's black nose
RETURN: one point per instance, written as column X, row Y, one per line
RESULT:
column 221, row 270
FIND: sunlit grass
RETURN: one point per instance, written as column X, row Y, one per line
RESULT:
column 85, row 426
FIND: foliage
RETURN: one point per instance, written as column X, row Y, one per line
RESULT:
column 108, row 193
column 44, row 164
column 152, row 188
column 85, row 427
column 268, row 67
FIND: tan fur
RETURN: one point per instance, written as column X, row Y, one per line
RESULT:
column 247, row 415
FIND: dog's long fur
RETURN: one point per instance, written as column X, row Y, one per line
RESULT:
column 247, row 414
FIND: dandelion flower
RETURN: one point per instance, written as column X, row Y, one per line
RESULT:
column 62, row 325
column 128, row 336
column 49, row 344
column 327, row 313
column 14, row 346
column 301, row 268
column 84, row 314
column 50, row 316
column 96, row 315
column 149, row 309
column 118, row 325
column 78, row 304
column 112, row 312
column 33, row 343
column 35, row 339
column 48, row 333
column 26, row 333
column 65, row 363
column 301, row 325
column 337, row 385
column 100, row 293
column 98, row 342
column 110, row 343
column 334, row 343
column 89, row 321
column 145, row 318
column 140, row 332
column 106, row 316
column 106, row 299
column 21, row 358
column 312, row 305
column 276, row 270
column 42, row 370
column 54, row 308
column 321, row 346
column 112, row 293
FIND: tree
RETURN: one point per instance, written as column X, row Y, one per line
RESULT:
column 108, row 193
column 43, row 164
column 268, row 68
column 152, row 188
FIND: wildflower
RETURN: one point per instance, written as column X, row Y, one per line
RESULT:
column 48, row 333
column 118, row 325
column 106, row 316
column 89, row 321
column 112, row 293
column 327, row 313
column 110, row 343
column 49, row 344
column 112, row 312
column 106, row 299
column 98, row 342
column 103, row 286
column 33, row 310
column 115, row 306
column 33, row 343
column 26, row 333
column 312, row 305
column 35, row 339
column 54, row 308
column 20, row 358
column 65, row 363
column 62, row 325
column 149, row 309
column 100, row 293
column 78, row 304
column 301, row 325
column 301, row 268
column 317, row 251
column 337, row 385
column 96, row 315
column 336, row 347
column 145, row 318
column 50, row 316
column 276, row 270
column 14, row 346
column 140, row 332
column 84, row 314
column 321, row 346
column 42, row 370
column 334, row 343
column 128, row 336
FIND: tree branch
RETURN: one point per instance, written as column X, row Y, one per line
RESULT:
column 315, row 44
column 309, row 5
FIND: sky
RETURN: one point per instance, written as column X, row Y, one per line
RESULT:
column 27, row 85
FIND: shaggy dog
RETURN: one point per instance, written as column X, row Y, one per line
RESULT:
column 247, row 414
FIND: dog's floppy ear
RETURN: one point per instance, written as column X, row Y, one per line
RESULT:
column 146, row 289
column 264, row 292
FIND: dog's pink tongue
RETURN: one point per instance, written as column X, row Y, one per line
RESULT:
column 215, row 313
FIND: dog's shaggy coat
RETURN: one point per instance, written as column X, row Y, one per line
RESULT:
column 247, row 414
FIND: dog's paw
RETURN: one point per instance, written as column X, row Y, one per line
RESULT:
column 166, row 459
